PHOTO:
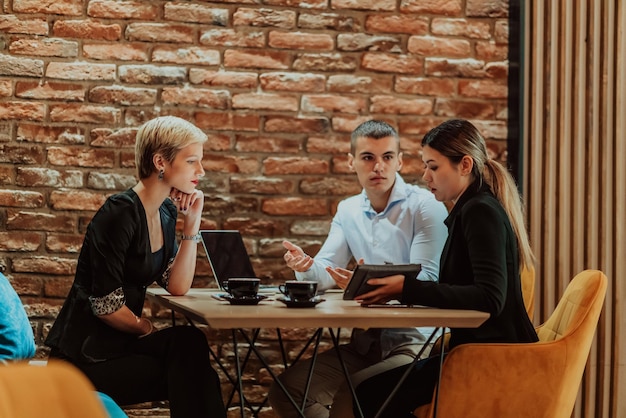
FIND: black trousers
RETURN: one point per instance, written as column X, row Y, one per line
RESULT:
column 171, row 364
column 416, row 390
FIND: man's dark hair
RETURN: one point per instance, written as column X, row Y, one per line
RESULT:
column 375, row 129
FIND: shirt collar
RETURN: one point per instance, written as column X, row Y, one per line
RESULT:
column 399, row 193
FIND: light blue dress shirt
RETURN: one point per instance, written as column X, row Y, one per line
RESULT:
column 409, row 230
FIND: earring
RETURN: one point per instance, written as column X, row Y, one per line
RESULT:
column 161, row 172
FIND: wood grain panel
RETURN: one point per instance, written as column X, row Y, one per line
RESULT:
column 575, row 172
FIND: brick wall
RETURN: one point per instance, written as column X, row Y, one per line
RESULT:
column 277, row 85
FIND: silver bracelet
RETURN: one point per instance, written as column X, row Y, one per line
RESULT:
column 194, row 238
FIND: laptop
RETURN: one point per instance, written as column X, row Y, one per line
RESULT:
column 228, row 257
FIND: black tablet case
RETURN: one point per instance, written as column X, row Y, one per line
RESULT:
column 363, row 272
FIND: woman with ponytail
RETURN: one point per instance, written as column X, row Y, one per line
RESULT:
column 486, row 249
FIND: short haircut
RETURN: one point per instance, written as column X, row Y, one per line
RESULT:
column 375, row 129
column 165, row 135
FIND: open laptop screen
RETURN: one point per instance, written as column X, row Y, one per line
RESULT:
column 227, row 255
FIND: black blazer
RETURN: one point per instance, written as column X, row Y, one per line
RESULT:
column 115, row 262
column 479, row 270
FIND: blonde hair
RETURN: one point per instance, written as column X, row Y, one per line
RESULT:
column 456, row 138
column 165, row 135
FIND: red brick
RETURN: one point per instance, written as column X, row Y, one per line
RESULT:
column 267, row 144
column 58, row 7
column 231, row 37
column 124, row 96
column 264, row 101
column 415, row 25
column 255, row 227
column 487, row 8
column 301, row 40
column 234, row 79
column 151, row 74
column 396, row 105
column 127, row 159
column 76, row 200
column 47, row 177
column 39, row 221
column 362, row 42
column 19, row 198
column 117, row 52
column 473, row 29
column 488, row 89
column 230, row 164
column 328, row 144
column 7, row 176
column 324, row 103
column 20, row 154
column 47, row 265
column 81, row 157
column 261, row 185
column 20, row 241
column 294, row 206
column 50, row 134
column 346, row 83
column 220, row 206
column 491, row 129
column 218, row 142
column 109, row 138
column 501, row 31
column 497, row 70
column 264, row 18
column 490, row 51
column 28, row 25
column 50, row 90
column 296, row 125
column 329, row 186
column 466, row 109
column 301, row 4
column 110, row 181
column 44, row 47
column 391, row 63
column 215, row 99
column 277, row 60
column 294, row 165
column 189, row 55
column 126, row 9
column 159, row 32
column 84, row 114
column 348, row 123
column 443, row 67
column 437, row 7
column 80, row 71
column 57, row 287
column 418, row 125
column 281, row 81
column 227, row 121
column 6, row 88
column 441, row 87
column 333, row 21
column 431, row 46
column 20, row 67
column 311, row 227
column 22, row 110
column 325, row 62
column 86, row 30
column 374, row 5
column 197, row 13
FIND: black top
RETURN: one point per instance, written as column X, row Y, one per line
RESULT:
column 479, row 270
column 114, row 268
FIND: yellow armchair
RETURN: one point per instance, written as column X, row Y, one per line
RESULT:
column 57, row 390
column 539, row 380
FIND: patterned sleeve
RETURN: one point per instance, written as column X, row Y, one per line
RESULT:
column 164, row 280
column 108, row 304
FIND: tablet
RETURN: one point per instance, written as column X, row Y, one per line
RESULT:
column 363, row 272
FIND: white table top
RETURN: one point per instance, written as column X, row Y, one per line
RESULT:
column 200, row 306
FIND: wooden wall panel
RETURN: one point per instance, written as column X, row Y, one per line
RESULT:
column 575, row 172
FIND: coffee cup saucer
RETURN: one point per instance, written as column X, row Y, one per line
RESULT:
column 311, row 303
column 245, row 300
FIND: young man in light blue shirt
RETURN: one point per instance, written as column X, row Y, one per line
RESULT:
column 388, row 222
